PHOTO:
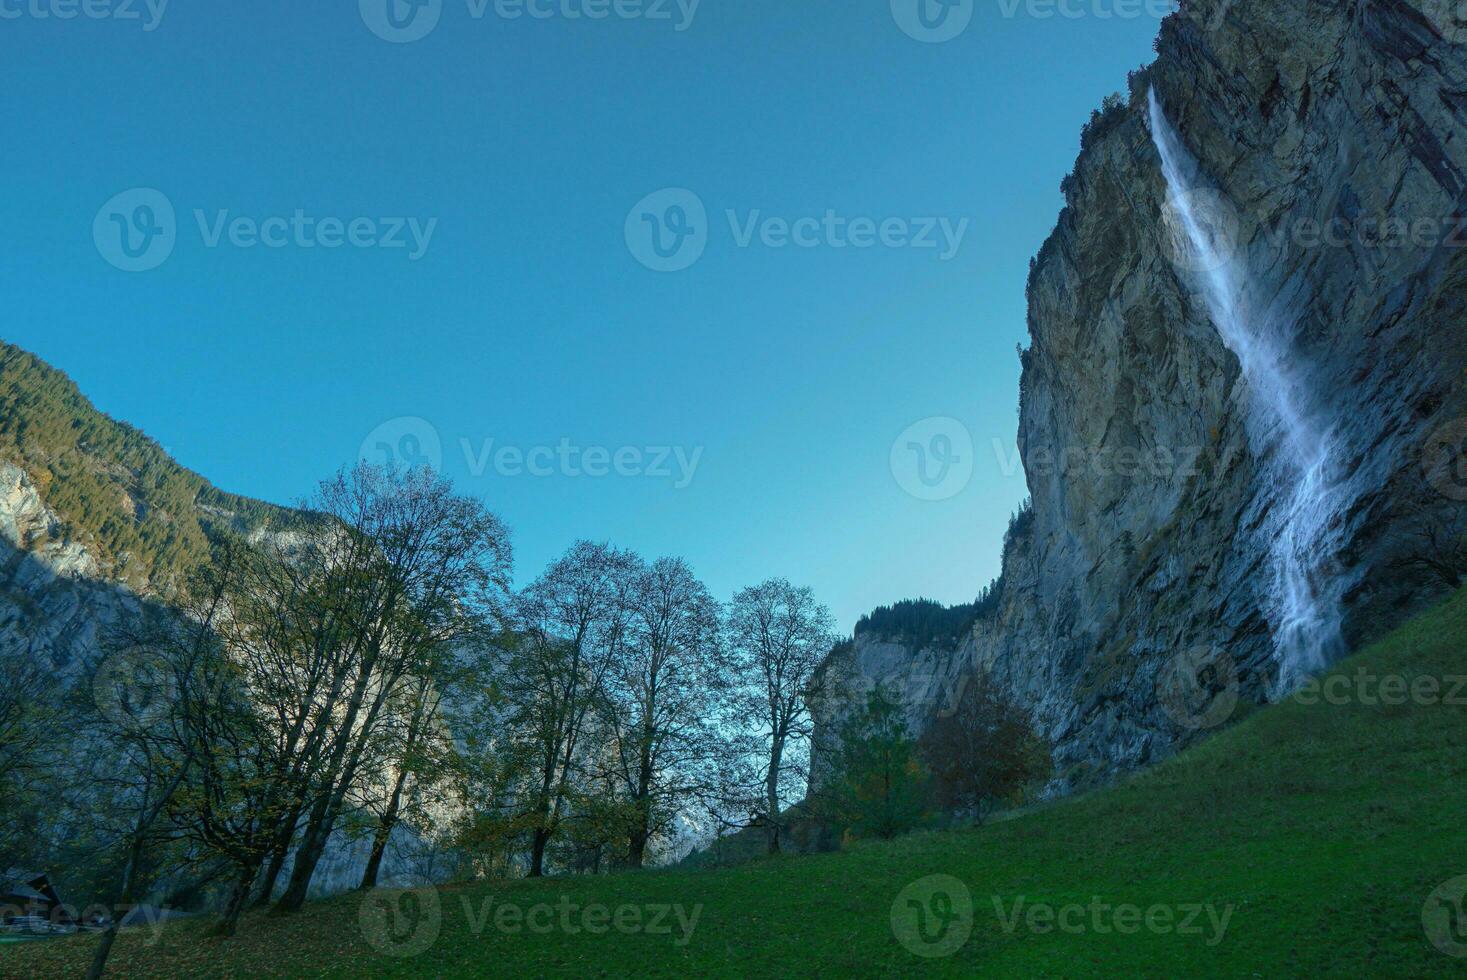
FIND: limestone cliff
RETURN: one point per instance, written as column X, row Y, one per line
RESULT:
column 1320, row 131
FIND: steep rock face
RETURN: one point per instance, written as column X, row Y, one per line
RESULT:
column 55, row 601
column 1320, row 129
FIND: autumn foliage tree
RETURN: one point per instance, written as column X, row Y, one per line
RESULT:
column 984, row 753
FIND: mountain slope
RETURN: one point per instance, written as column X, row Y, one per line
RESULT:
column 144, row 518
column 1311, row 837
column 94, row 517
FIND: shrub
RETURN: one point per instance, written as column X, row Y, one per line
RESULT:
column 883, row 789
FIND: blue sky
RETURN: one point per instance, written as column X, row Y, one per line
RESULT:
column 529, row 148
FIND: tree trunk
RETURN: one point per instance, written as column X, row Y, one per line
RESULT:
column 307, row 856
column 637, row 852
column 379, row 848
column 771, row 794
column 104, row 949
column 238, row 898
column 277, row 864
column 322, row 819
column 384, row 833
column 537, row 852
column 129, row 871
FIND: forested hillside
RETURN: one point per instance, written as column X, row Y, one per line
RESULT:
column 118, row 491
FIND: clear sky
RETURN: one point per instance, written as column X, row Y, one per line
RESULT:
column 528, row 147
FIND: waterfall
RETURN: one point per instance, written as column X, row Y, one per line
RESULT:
column 1298, row 451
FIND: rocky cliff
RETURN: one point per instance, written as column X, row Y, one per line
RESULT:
column 1330, row 146
column 55, row 601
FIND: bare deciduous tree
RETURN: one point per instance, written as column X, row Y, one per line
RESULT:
column 416, row 568
column 1439, row 545
column 666, row 692
column 777, row 636
column 573, row 624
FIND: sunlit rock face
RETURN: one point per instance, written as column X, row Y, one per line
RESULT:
column 1330, row 151
column 56, row 601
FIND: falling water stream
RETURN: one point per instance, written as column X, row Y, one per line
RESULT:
column 1306, row 617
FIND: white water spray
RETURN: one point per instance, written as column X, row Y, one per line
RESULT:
column 1307, row 613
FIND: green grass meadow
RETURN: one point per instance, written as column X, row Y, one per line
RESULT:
column 1309, row 839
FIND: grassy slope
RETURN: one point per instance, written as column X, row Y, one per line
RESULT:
column 1325, row 826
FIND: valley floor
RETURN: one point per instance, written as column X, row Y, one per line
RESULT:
column 1322, row 839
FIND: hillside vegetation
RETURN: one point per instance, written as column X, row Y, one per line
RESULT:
column 1306, row 841
column 117, row 489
